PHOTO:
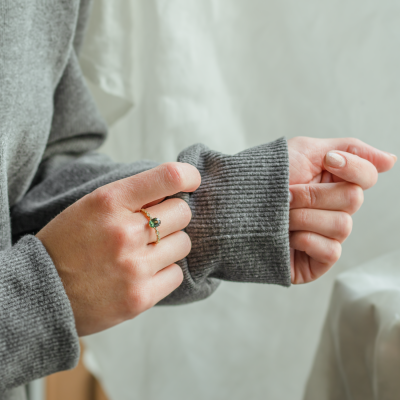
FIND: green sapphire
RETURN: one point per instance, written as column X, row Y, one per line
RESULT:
column 154, row 222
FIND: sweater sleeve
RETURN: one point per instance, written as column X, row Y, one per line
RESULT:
column 240, row 220
column 37, row 326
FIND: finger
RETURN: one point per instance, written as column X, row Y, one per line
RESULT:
column 305, row 269
column 331, row 224
column 166, row 281
column 325, row 251
column 165, row 180
column 351, row 168
column 341, row 196
column 171, row 249
column 153, row 203
column 382, row 160
column 326, row 177
column 174, row 214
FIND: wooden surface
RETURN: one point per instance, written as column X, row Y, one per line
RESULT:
column 77, row 384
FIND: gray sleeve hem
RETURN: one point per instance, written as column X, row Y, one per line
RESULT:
column 36, row 320
column 240, row 220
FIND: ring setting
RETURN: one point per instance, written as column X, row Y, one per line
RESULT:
column 153, row 223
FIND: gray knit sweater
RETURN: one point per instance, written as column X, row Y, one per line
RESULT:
column 49, row 128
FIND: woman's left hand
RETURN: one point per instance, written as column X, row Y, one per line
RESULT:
column 327, row 180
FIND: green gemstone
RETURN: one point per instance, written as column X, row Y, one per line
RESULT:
column 155, row 222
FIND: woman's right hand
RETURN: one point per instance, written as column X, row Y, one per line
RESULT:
column 327, row 179
column 104, row 251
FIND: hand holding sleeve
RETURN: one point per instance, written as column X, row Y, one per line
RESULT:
column 240, row 224
column 239, row 232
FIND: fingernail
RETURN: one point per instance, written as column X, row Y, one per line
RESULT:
column 335, row 160
column 290, row 197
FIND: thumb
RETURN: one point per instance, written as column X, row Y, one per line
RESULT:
column 382, row 160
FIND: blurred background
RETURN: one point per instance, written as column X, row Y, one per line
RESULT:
column 234, row 74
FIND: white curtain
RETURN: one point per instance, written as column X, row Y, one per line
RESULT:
column 358, row 356
column 233, row 74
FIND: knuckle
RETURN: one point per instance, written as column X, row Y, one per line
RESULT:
column 103, row 198
column 139, row 299
column 311, row 196
column 307, row 239
column 175, row 277
column 334, row 253
column 174, row 175
column 185, row 242
column 126, row 269
column 344, row 225
column 120, row 236
column 355, row 197
column 184, row 210
column 354, row 145
column 349, row 224
column 178, row 275
column 143, row 299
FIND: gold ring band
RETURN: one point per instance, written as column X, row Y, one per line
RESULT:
column 153, row 223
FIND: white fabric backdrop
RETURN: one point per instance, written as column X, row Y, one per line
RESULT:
column 234, row 74
column 358, row 356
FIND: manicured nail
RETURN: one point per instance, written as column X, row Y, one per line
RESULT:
column 290, row 197
column 335, row 160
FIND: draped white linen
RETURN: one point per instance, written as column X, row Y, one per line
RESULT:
column 358, row 356
column 233, row 74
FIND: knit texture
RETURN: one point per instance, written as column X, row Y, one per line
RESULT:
column 36, row 321
column 240, row 220
column 49, row 127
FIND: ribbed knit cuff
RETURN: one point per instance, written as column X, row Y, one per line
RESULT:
column 38, row 335
column 240, row 220
column 240, row 223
